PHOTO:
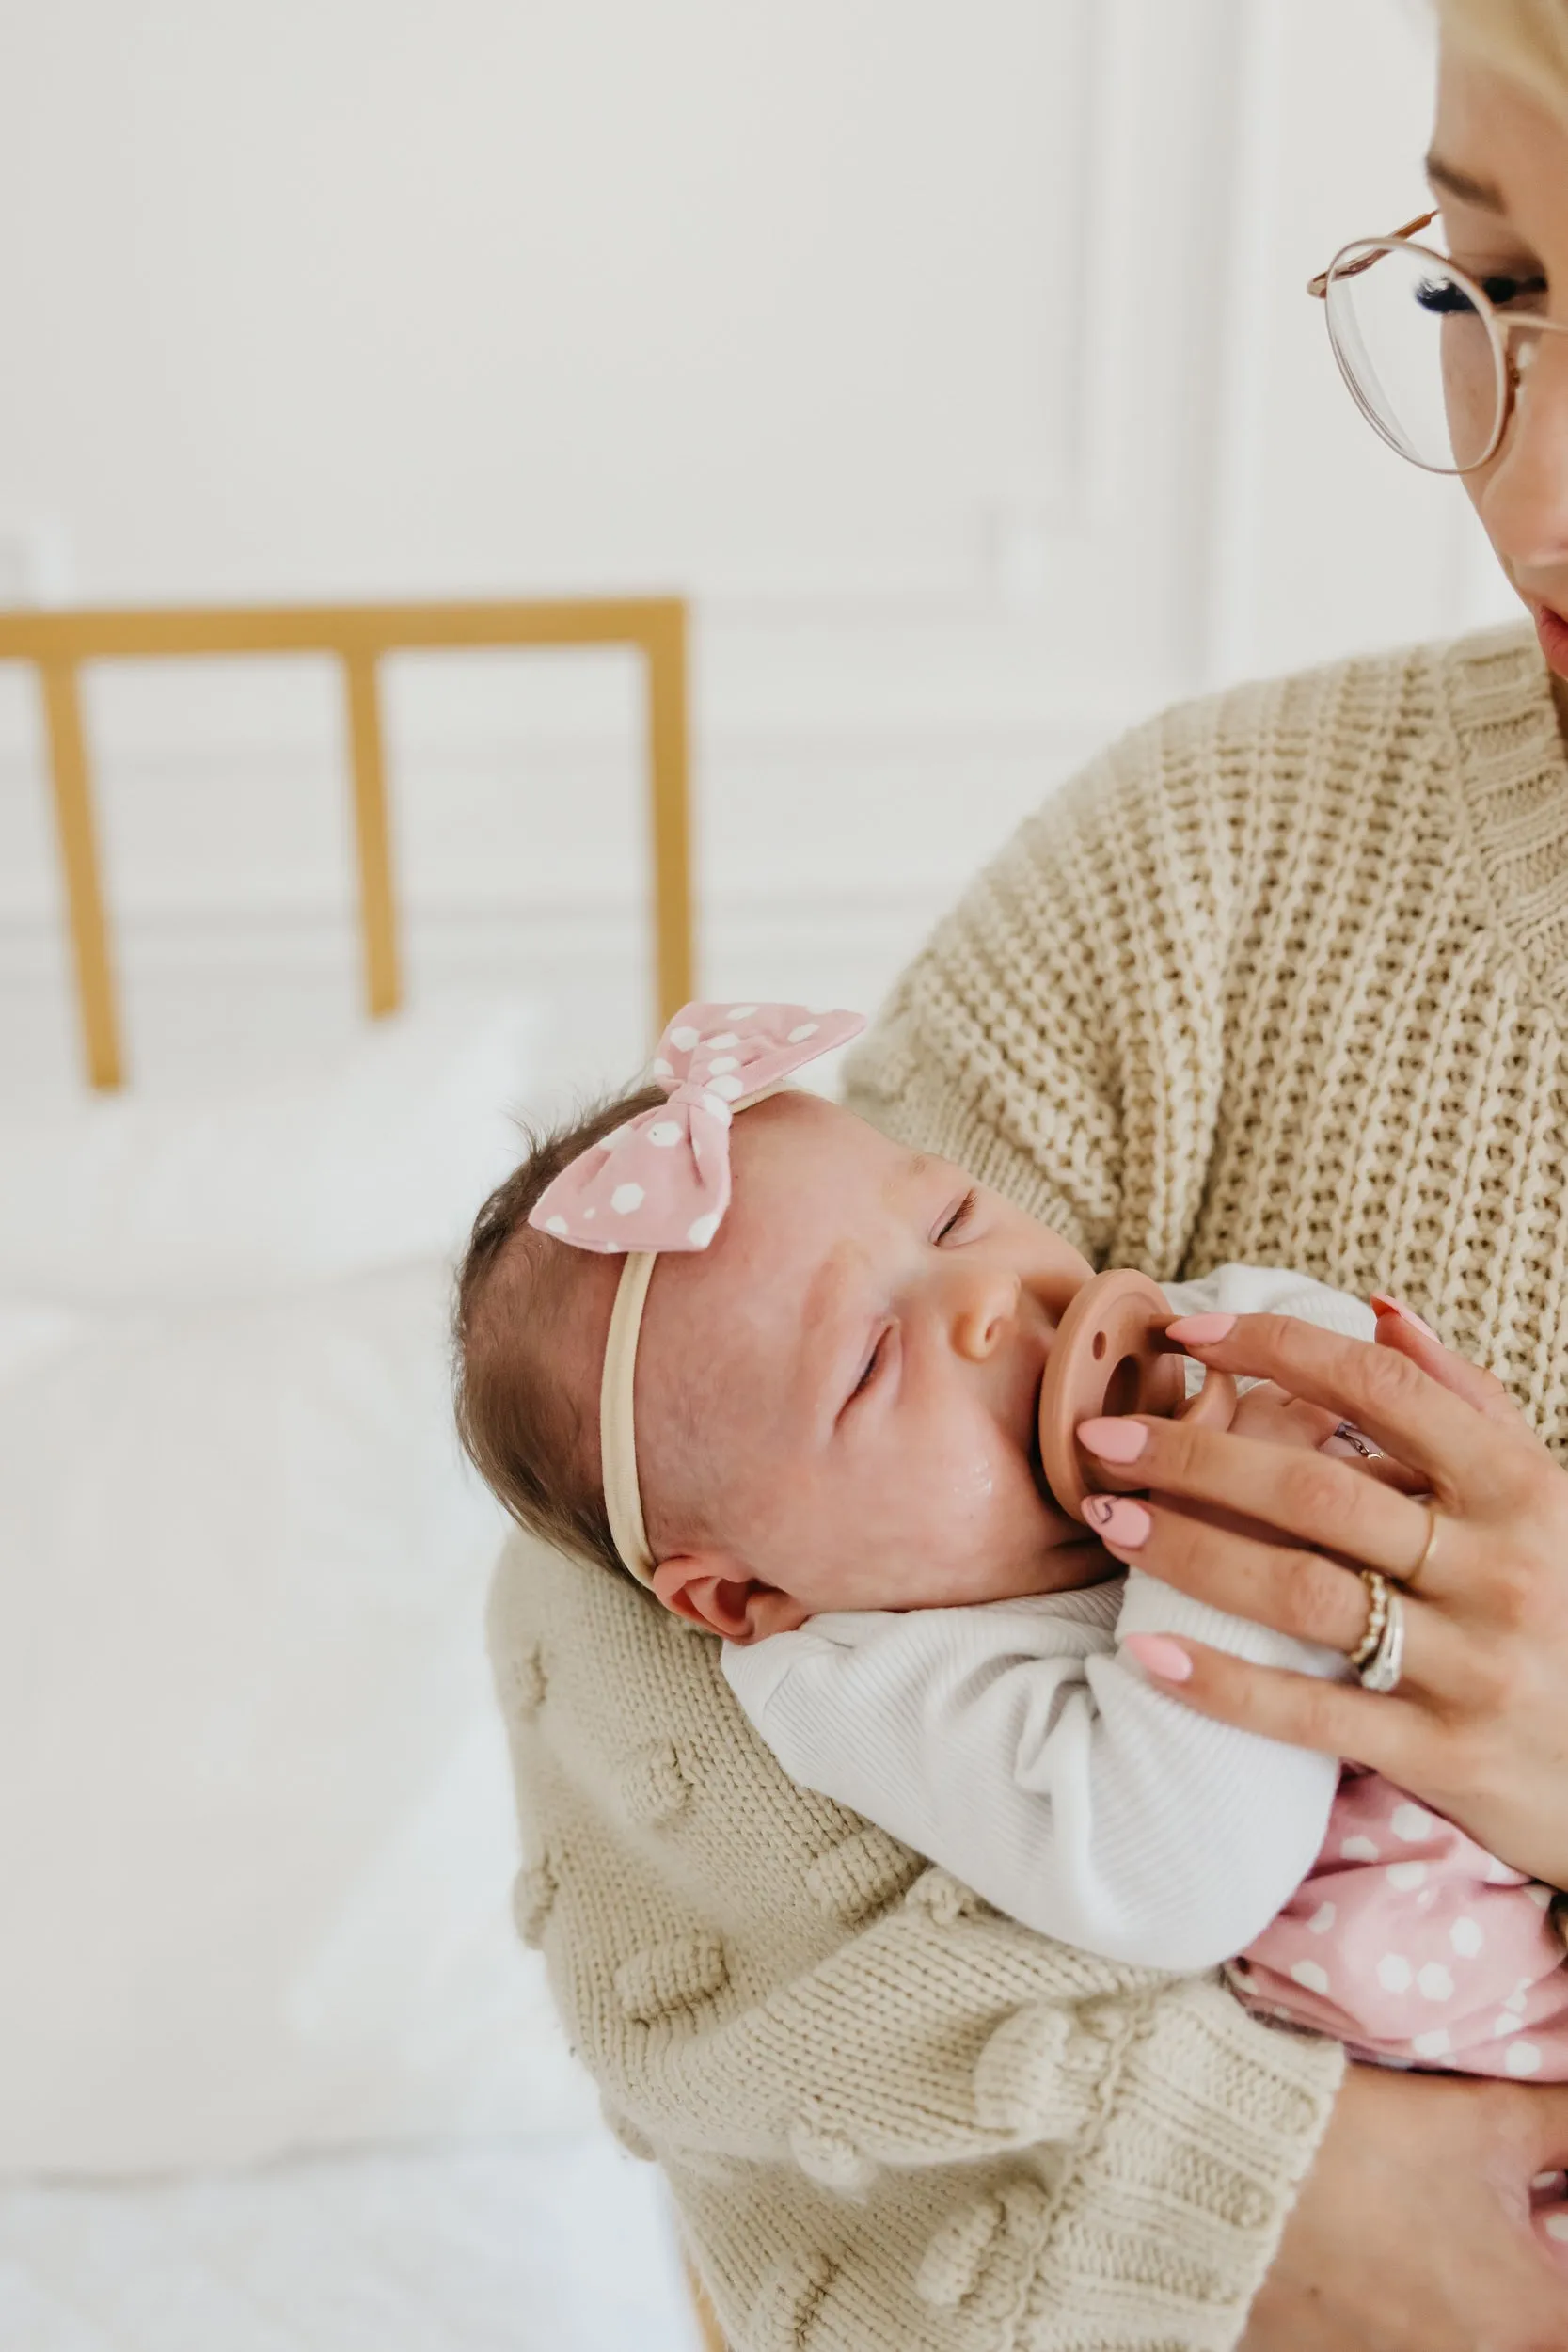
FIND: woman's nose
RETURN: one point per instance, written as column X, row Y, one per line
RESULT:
column 985, row 1309
column 1523, row 499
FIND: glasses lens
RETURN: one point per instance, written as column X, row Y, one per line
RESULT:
column 1418, row 354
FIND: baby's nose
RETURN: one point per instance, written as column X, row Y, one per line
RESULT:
column 986, row 1312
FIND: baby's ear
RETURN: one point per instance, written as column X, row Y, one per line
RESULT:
column 714, row 1592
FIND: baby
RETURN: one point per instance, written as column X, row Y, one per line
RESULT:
column 816, row 1437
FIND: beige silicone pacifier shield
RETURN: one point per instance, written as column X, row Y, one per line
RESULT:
column 1110, row 1356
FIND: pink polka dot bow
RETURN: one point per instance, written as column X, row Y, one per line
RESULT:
column 662, row 1180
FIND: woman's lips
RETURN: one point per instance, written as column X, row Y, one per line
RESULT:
column 1552, row 630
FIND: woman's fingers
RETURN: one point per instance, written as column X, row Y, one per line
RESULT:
column 1399, row 1403
column 1331, row 1505
column 1388, row 1733
column 1482, row 1388
column 1550, row 2224
column 1299, row 1593
column 1546, row 2119
column 1387, row 1472
column 1407, row 2232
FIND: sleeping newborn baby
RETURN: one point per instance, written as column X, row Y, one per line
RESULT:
column 814, row 1431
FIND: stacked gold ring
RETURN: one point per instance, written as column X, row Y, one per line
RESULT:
column 1379, row 1656
column 1378, row 1597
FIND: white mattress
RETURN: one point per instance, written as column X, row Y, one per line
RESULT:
column 538, row 2247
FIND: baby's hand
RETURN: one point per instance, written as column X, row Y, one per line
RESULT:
column 1266, row 1411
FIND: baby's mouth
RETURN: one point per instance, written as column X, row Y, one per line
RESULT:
column 1036, row 1463
column 1068, row 1528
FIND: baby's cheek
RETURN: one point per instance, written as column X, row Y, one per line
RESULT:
column 983, row 1494
column 995, row 1523
column 937, row 1523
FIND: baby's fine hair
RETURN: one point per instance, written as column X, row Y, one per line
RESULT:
column 531, row 1442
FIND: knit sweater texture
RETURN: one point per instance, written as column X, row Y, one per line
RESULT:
column 1280, row 980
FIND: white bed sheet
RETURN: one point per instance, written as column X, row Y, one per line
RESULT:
column 543, row 2245
column 257, row 1831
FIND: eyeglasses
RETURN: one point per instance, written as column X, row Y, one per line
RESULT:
column 1433, row 357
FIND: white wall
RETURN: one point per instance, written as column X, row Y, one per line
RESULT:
column 955, row 361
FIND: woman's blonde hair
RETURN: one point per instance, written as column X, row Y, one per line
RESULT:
column 1526, row 39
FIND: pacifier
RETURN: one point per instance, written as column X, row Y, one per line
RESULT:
column 1110, row 1356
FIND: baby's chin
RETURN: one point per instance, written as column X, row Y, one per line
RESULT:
column 1061, row 1530
column 1070, row 1566
column 1059, row 1556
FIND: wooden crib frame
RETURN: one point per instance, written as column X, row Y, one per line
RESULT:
column 357, row 635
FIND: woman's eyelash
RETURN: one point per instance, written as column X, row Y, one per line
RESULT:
column 960, row 1218
column 869, row 1373
column 1443, row 295
column 1501, row 289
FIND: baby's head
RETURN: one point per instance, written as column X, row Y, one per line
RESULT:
column 836, row 1399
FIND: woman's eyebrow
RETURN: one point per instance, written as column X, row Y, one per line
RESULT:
column 1450, row 180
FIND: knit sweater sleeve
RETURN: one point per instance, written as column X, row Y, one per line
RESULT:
column 1061, row 1035
column 886, row 2111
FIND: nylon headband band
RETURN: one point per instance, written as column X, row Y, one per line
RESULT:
column 623, row 1497
column 622, row 1493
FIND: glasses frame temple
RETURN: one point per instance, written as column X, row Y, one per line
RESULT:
column 1318, row 287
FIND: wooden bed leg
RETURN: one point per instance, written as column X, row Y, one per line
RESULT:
column 373, row 835
column 78, row 839
column 670, row 812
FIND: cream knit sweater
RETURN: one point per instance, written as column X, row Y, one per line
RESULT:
column 1279, row 979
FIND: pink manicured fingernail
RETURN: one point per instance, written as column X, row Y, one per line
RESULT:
column 1113, row 1441
column 1117, row 1521
column 1200, row 1330
column 1382, row 1305
column 1157, row 1654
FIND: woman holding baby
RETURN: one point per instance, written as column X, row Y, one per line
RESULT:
column 1282, row 983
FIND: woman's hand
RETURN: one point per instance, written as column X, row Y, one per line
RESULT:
column 1412, row 2233
column 1479, row 1725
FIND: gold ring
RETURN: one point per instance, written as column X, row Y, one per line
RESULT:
column 1413, row 1580
column 1381, row 1674
column 1377, row 1617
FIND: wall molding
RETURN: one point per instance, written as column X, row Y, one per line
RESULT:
column 211, row 998
column 457, row 935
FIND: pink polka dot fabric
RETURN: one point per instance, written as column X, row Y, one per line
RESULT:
column 662, row 1180
column 1414, row 1946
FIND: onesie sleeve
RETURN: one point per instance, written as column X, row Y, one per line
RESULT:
column 1013, row 1744
column 1267, row 1290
